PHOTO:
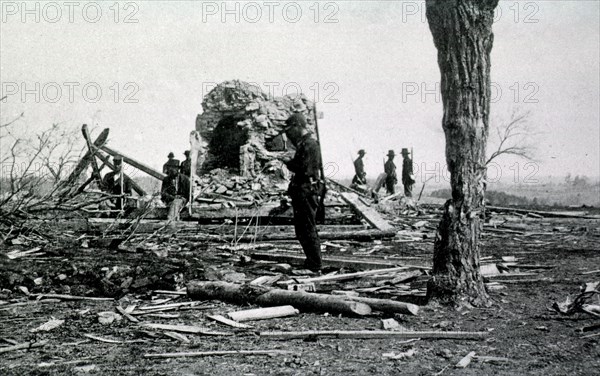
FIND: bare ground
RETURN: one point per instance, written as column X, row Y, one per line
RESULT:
column 522, row 328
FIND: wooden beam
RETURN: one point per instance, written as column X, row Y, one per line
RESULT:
column 93, row 162
column 85, row 160
column 370, row 334
column 134, row 185
column 139, row 165
column 548, row 214
column 328, row 261
column 369, row 214
column 219, row 353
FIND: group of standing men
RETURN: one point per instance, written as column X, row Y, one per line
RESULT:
column 389, row 167
column 175, row 189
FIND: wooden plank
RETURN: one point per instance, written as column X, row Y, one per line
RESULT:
column 549, row 214
column 369, row 214
column 348, row 276
column 329, row 261
column 220, row 353
column 370, row 334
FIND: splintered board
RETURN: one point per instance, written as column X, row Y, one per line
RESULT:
column 369, row 214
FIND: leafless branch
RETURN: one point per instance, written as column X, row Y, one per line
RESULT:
column 513, row 137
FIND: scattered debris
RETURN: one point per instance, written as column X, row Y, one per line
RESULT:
column 48, row 326
column 464, row 362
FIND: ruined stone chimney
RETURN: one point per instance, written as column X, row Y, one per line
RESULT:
column 242, row 126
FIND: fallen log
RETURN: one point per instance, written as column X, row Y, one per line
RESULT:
column 263, row 296
column 372, row 334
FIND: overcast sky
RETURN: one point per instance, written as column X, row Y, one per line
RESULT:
column 372, row 63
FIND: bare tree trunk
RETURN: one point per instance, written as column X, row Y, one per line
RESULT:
column 462, row 33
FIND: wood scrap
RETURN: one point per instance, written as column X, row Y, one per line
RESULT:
column 48, row 326
column 591, row 272
column 22, row 346
column 177, row 336
column 464, row 362
column 263, row 313
column 229, row 322
column 100, row 339
column 192, row 329
column 219, row 353
column 337, row 262
column 373, row 334
column 166, row 292
column 369, row 214
column 70, row 297
column 123, row 312
column 491, row 359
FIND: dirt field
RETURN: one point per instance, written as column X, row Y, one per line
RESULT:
column 523, row 332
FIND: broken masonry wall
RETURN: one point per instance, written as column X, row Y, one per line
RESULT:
column 242, row 126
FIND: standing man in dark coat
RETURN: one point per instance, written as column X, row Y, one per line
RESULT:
column 305, row 188
column 407, row 173
column 186, row 165
column 390, row 170
column 170, row 157
column 360, row 176
column 116, row 183
column 175, row 190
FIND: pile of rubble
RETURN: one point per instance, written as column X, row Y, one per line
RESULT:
column 221, row 185
column 242, row 126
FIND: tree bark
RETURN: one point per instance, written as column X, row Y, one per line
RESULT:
column 266, row 297
column 462, row 33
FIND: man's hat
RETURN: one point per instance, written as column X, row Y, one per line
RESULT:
column 117, row 157
column 404, row 151
column 299, row 106
column 186, row 153
column 296, row 120
column 171, row 155
column 362, row 152
column 391, row 153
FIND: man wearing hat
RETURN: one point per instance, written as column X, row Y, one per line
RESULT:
column 360, row 176
column 305, row 188
column 170, row 156
column 186, row 165
column 175, row 189
column 390, row 171
column 407, row 173
column 116, row 183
